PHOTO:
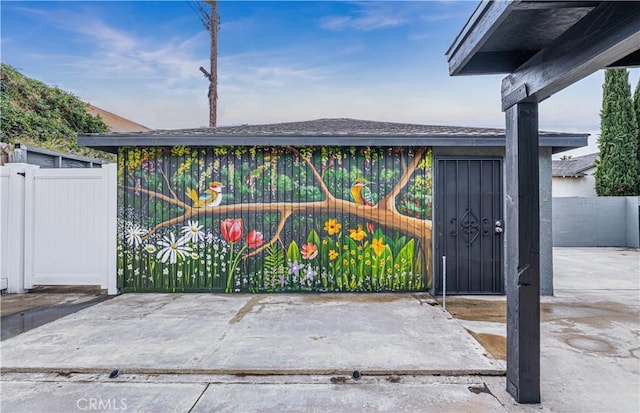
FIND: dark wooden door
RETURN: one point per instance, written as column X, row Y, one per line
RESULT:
column 469, row 224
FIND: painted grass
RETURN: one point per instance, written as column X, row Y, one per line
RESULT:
column 359, row 262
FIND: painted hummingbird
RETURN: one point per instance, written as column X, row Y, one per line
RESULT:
column 361, row 193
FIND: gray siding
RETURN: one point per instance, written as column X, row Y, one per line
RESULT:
column 546, row 219
column 546, row 230
column 633, row 221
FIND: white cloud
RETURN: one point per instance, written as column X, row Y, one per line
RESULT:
column 117, row 53
column 103, row 36
column 434, row 18
column 371, row 16
column 368, row 17
column 362, row 23
column 268, row 69
column 242, row 24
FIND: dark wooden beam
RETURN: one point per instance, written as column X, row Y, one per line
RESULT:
column 481, row 25
column 629, row 61
column 607, row 34
column 487, row 63
column 545, row 5
column 522, row 253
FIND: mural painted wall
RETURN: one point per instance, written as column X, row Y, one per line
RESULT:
column 274, row 219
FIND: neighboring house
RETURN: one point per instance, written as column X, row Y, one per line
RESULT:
column 574, row 176
column 114, row 122
column 326, row 205
column 613, row 220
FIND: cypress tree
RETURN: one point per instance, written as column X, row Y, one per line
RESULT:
column 617, row 169
column 636, row 106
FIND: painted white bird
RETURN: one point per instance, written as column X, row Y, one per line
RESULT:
column 211, row 197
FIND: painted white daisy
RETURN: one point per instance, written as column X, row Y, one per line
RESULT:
column 172, row 249
column 150, row 248
column 134, row 235
column 192, row 232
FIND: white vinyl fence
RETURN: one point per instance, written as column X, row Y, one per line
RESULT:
column 57, row 227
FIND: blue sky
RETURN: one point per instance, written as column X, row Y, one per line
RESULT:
column 278, row 61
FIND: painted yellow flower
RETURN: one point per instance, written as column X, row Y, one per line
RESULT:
column 377, row 246
column 333, row 255
column 357, row 234
column 332, row 226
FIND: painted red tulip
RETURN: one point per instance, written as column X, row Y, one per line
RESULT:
column 254, row 239
column 370, row 227
column 232, row 229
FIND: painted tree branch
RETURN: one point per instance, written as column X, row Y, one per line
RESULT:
column 284, row 216
column 316, row 175
column 166, row 179
column 154, row 194
column 384, row 213
column 382, row 216
column 388, row 202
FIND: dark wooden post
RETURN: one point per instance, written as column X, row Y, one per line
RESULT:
column 522, row 257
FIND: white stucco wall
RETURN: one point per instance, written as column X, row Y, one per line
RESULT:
column 570, row 186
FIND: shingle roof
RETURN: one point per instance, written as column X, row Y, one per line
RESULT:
column 330, row 127
column 343, row 131
column 574, row 167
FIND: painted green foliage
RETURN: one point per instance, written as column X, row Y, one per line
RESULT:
column 269, row 219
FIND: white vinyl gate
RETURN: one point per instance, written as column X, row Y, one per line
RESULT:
column 58, row 227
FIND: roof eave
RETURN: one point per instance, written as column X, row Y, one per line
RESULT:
column 483, row 22
column 111, row 144
column 568, row 175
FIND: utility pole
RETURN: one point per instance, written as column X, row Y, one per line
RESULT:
column 210, row 22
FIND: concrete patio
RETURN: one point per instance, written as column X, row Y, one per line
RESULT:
column 200, row 353
column 245, row 334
